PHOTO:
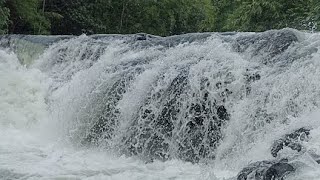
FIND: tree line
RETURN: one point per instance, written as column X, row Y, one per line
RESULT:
column 158, row 17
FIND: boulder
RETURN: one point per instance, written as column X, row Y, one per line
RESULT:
column 266, row 170
column 267, row 45
column 278, row 169
column 291, row 140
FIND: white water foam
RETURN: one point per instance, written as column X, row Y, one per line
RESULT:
column 28, row 151
column 31, row 133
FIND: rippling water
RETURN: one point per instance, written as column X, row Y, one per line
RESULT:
column 202, row 108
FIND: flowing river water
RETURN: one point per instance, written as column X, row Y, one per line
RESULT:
column 195, row 106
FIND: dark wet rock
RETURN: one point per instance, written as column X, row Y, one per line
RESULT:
column 251, row 77
column 292, row 140
column 203, row 131
column 275, row 169
column 151, row 132
column 268, row 44
column 222, row 113
column 143, row 40
column 141, row 37
column 266, row 170
column 176, row 117
column 107, row 121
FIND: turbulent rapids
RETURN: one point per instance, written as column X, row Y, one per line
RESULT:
column 240, row 105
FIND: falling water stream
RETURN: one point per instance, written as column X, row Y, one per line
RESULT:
column 194, row 106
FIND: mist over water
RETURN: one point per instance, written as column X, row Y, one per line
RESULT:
column 195, row 106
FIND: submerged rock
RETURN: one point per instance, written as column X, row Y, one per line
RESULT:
column 291, row 140
column 176, row 122
column 266, row 170
column 267, row 45
column 278, row 169
column 103, row 128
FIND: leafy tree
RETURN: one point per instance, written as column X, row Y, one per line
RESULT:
column 254, row 15
column 159, row 17
column 223, row 9
column 261, row 15
column 4, row 17
column 163, row 17
column 313, row 16
column 27, row 17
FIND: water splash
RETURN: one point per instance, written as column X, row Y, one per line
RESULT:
column 221, row 97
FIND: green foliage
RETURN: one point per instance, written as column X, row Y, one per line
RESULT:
column 163, row 17
column 223, row 9
column 261, row 15
column 27, row 17
column 159, row 17
column 4, row 17
column 314, row 13
column 254, row 14
column 169, row 17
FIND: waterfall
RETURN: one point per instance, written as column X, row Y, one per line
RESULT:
column 203, row 97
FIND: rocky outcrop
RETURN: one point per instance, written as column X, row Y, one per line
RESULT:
column 292, row 140
column 267, row 45
column 266, row 170
column 277, row 169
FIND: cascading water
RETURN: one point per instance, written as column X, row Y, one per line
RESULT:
column 194, row 106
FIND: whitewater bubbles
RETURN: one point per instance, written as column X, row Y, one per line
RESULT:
column 21, row 93
column 197, row 97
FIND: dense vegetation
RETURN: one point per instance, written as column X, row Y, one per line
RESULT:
column 160, row 17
